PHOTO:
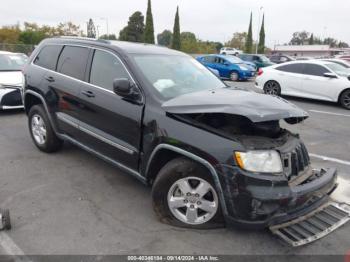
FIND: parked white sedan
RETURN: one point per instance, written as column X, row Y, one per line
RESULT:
column 11, row 79
column 313, row 79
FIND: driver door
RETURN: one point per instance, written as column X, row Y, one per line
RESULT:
column 110, row 124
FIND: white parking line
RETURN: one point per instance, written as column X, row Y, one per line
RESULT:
column 326, row 158
column 9, row 246
column 328, row 113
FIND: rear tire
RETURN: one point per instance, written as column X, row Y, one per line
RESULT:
column 41, row 130
column 171, row 184
column 345, row 99
column 272, row 88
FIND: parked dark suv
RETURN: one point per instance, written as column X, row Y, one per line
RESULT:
column 213, row 154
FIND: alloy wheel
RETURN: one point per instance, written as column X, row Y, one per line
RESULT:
column 272, row 88
column 234, row 76
column 193, row 200
column 38, row 129
column 346, row 100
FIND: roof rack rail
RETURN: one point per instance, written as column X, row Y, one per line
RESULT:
column 85, row 38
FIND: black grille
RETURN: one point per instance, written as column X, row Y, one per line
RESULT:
column 299, row 160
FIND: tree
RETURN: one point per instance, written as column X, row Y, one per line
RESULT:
column 69, row 29
column 300, row 38
column 91, row 30
column 238, row 40
column 108, row 37
column 176, row 44
column 134, row 31
column 343, row 45
column 249, row 41
column 331, row 42
column 149, row 30
column 165, row 38
column 188, row 42
column 311, row 40
column 261, row 46
column 9, row 34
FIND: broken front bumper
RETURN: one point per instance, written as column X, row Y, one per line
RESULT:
column 253, row 202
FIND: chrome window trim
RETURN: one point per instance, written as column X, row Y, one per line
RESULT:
column 84, row 82
column 64, row 118
column 197, row 159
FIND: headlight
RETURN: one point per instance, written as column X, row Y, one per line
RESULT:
column 260, row 161
column 243, row 68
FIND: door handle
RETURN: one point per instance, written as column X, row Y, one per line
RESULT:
column 50, row 79
column 89, row 94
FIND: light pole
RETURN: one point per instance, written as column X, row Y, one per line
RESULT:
column 98, row 31
column 104, row 18
column 258, row 31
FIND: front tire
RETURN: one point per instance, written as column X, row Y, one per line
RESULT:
column 41, row 130
column 234, row 76
column 272, row 88
column 185, row 196
column 345, row 99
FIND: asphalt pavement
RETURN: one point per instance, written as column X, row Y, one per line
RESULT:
column 71, row 202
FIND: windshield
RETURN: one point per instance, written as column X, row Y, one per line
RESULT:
column 234, row 59
column 338, row 69
column 264, row 59
column 173, row 76
column 12, row 62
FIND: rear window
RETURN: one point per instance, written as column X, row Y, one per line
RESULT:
column 293, row 68
column 73, row 61
column 48, row 56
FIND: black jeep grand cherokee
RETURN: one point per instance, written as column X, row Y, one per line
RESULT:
column 212, row 153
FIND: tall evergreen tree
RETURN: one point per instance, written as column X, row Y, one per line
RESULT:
column 311, row 40
column 261, row 47
column 149, row 30
column 249, row 41
column 176, row 44
column 91, row 29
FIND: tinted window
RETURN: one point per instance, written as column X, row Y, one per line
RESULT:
column 105, row 68
column 315, row 70
column 293, row 68
column 48, row 56
column 72, row 61
column 209, row 59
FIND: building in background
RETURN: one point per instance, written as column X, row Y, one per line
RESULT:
column 308, row 50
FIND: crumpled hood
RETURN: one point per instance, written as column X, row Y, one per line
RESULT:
column 254, row 106
column 12, row 78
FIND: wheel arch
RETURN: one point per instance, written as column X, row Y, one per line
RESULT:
column 342, row 92
column 32, row 98
column 164, row 153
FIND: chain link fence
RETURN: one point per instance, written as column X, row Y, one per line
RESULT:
column 17, row 48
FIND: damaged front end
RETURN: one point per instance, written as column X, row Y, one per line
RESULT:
column 259, row 199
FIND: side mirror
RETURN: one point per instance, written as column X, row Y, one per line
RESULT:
column 330, row 75
column 124, row 88
column 226, row 63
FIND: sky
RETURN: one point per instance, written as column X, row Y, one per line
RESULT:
column 214, row 20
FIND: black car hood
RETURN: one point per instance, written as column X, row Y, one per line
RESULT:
column 254, row 106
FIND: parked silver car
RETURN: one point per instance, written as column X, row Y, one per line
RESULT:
column 11, row 79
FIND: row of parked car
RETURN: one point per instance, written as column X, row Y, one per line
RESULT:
column 322, row 79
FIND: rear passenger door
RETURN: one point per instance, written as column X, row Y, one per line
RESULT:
column 110, row 124
column 290, row 78
column 64, row 87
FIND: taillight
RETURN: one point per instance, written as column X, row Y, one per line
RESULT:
column 260, row 72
